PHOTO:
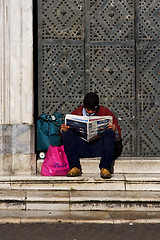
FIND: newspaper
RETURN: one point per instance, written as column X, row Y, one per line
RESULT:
column 88, row 127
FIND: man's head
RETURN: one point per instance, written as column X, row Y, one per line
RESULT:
column 91, row 103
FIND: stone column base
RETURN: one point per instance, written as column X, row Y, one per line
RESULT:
column 17, row 149
column 18, row 164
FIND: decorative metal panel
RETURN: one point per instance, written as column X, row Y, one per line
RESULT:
column 107, row 46
column 148, row 78
column 61, row 55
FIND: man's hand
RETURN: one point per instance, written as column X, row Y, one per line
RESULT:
column 113, row 126
column 64, row 127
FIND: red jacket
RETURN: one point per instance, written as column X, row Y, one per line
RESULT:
column 103, row 111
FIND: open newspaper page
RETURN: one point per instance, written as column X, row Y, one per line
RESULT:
column 86, row 127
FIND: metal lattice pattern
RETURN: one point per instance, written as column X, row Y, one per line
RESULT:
column 125, row 110
column 61, row 63
column 148, row 78
column 62, row 19
column 110, row 20
column 63, row 72
column 92, row 45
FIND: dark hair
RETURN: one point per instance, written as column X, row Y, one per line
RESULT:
column 91, row 101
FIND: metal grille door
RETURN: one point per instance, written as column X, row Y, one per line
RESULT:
column 109, row 47
column 148, row 77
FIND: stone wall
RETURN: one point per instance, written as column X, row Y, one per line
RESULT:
column 16, row 88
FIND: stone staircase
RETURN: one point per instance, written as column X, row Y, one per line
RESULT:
column 134, row 187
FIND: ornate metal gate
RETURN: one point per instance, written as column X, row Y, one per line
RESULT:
column 110, row 47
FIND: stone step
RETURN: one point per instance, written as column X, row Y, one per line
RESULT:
column 79, row 200
column 114, row 201
column 86, row 182
column 133, row 192
column 122, row 165
column 98, row 217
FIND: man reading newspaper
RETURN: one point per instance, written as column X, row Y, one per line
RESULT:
column 88, row 127
column 108, row 145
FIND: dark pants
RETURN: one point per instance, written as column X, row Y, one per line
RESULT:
column 76, row 148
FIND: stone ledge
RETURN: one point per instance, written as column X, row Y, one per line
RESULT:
column 122, row 165
column 123, row 182
column 88, row 182
column 79, row 196
column 80, row 200
column 98, row 217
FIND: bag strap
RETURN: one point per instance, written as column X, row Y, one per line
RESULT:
column 48, row 118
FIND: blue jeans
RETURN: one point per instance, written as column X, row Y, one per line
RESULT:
column 76, row 148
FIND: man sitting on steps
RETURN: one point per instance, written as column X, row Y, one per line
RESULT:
column 108, row 146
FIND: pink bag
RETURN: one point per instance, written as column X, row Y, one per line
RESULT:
column 55, row 162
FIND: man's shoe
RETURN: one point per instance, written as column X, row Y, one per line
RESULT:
column 74, row 172
column 105, row 173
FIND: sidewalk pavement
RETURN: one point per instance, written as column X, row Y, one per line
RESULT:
column 67, row 231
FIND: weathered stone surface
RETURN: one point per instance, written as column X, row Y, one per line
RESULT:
column 24, row 164
column 52, row 216
column 18, row 164
column 115, row 201
column 122, row 165
column 47, row 196
column 11, row 195
column 111, row 196
column 48, row 206
column 85, row 193
column 123, row 182
column 138, row 165
column 16, row 66
column 144, row 182
column 17, row 149
column 6, row 164
column 85, row 182
column 17, row 139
